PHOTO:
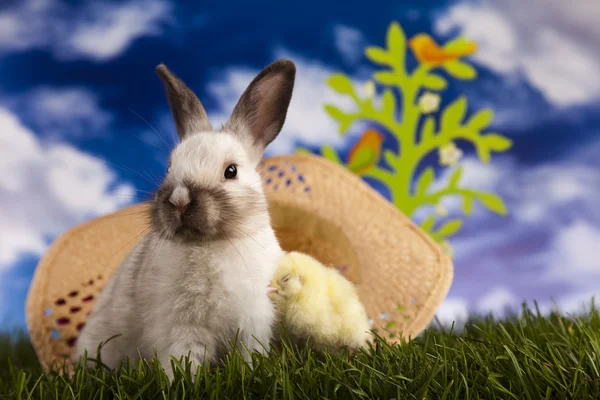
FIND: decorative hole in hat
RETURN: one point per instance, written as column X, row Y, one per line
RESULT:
column 316, row 207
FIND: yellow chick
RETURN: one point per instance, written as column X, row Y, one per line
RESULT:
column 318, row 302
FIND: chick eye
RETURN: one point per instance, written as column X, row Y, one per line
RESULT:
column 230, row 172
column 285, row 278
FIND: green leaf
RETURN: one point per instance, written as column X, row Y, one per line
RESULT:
column 497, row 142
column 341, row 84
column 427, row 131
column 386, row 77
column 427, row 225
column 455, row 177
column 378, row 55
column 340, row 116
column 329, row 153
column 344, row 126
column 396, row 43
column 453, row 115
column 388, row 103
column 482, row 151
column 434, row 82
column 449, row 228
column 460, row 70
column 468, row 205
column 481, row 119
column 335, row 112
column 424, row 181
column 400, row 308
column 492, row 202
column 390, row 158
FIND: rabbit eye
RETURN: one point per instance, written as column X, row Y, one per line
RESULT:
column 169, row 166
column 230, row 172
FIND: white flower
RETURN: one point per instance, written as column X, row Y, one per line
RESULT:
column 371, row 322
column 429, row 102
column 369, row 89
column 441, row 210
column 449, row 154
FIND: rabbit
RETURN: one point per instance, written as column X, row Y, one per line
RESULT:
column 198, row 280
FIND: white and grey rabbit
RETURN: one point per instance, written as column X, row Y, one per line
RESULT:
column 200, row 276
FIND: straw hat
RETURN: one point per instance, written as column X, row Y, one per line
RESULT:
column 316, row 206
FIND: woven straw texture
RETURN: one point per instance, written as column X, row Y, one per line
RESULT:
column 316, row 207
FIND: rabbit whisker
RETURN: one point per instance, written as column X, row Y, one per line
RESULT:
column 128, row 169
column 237, row 228
column 153, row 128
column 133, row 240
column 244, row 260
column 134, row 214
column 149, row 144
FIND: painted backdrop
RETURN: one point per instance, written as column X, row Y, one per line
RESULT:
column 480, row 120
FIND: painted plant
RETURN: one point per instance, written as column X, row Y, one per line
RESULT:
column 407, row 107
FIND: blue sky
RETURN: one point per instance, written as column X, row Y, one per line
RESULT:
column 78, row 81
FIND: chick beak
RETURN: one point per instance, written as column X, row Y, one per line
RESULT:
column 271, row 289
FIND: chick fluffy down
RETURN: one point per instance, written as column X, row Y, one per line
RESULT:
column 317, row 301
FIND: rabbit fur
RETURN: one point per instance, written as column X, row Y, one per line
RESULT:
column 198, row 278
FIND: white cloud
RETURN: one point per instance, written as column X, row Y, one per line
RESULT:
column 574, row 257
column 452, row 310
column 46, row 189
column 556, row 187
column 545, row 248
column 483, row 176
column 16, row 35
column 576, row 303
column 497, row 300
column 533, row 192
column 550, row 43
column 350, row 42
column 116, row 27
column 61, row 112
column 98, row 31
column 306, row 122
column 458, row 310
column 476, row 175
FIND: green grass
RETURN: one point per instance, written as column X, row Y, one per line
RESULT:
column 531, row 357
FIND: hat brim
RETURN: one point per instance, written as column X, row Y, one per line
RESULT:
column 316, row 206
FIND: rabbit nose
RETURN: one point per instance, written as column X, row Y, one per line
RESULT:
column 180, row 198
column 180, row 205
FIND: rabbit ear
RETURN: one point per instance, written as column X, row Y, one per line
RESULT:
column 261, row 110
column 188, row 113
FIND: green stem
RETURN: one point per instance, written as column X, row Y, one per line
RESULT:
column 381, row 175
column 369, row 113
column 409, row 162
column 400, row 190
column 442, row 138
column 406, row 136
column 434, row 198
column 386, row 178
column 411, row 110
